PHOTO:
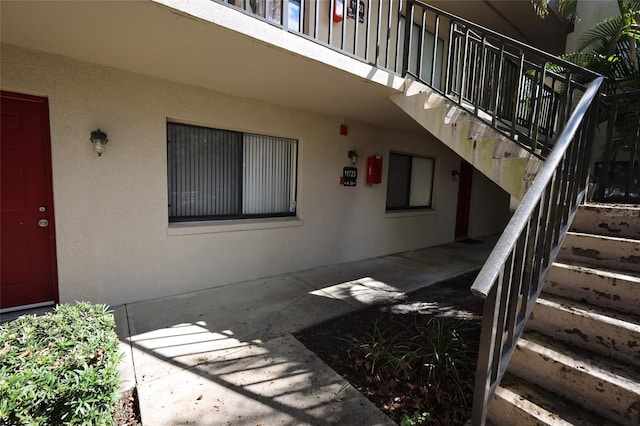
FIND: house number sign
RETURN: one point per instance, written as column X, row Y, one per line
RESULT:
column 349, row 176
column 351, row 10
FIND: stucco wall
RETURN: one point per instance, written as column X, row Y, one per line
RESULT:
column 114, row 244
column 489, row 212
column 590, row 12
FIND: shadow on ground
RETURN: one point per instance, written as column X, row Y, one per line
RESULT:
column 360, row 346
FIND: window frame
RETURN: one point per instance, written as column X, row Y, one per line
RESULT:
column 293, row 194
column 407, row 207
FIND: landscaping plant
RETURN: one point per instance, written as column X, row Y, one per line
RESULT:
column 59, row 368
column 429, row 354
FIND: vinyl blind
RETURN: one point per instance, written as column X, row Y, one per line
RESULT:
column 217, row 174
column 268, row 175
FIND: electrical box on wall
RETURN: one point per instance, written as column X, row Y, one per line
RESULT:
column 374, row 169
column 338, row 10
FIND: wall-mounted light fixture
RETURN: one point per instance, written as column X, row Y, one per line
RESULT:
column 99, row 140
column 353, row 156
column 455, row 174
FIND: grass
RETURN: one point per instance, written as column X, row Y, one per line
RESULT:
column 59, row 368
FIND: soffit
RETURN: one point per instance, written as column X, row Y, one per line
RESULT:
column 151, row 39
column 514, row 18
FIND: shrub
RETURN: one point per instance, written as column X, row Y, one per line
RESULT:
column 430, row 354
column 446, row 355
column 59, row 368
column 390, row 346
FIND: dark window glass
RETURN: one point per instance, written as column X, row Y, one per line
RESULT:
column 219, row 174
column 409, row 182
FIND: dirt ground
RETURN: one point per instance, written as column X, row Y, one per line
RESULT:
column 401, row 393
column 127, row 411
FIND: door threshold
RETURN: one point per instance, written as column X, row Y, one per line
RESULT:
column 9, row 314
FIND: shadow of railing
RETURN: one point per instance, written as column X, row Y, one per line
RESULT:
column 229, row 352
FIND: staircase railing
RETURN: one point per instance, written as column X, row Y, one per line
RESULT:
column 514, row 273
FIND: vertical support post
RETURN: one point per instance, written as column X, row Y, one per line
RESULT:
column 495, row 98
column 408, row 22
column 436, row 28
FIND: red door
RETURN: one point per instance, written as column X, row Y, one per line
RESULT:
column 464, row 200
column 27, row 250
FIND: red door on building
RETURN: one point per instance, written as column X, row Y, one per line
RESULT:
column 28, row 276
column 464, row 200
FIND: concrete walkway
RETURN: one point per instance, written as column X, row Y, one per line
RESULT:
column 226, row 356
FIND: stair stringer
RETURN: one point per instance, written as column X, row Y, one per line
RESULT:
column 500, row 159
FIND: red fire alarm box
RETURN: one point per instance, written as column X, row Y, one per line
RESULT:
column 338, row 10
column 374, row 169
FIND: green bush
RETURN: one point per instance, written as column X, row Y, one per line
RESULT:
column 59, row 368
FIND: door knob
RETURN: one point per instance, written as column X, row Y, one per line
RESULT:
column 43, row 223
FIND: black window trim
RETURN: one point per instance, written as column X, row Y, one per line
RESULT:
column 201, row 218
column 408, row 188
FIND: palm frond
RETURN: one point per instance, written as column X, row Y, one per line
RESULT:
column 541, row 7
column 568, row 9
column 603, row 36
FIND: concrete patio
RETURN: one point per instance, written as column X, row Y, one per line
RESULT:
column 226, row 356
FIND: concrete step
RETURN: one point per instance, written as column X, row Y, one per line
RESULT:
column 600, row 330
column 612, row 253
column 613, row 220
column 613, row 290
column 518, row 403
column 590, row 381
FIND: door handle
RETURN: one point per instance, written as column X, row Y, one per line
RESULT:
column 43, row 223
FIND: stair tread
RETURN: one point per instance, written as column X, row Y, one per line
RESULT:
column 606, row 237
column 622, row 374
column 546, row 406
column 599, row 267
column 609, row 315
column 604, row 271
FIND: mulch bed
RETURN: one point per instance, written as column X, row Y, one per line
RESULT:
column 127, row 410
column 401, row 394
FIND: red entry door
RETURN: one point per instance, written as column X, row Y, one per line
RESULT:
column 464, row 200
column 27, row 251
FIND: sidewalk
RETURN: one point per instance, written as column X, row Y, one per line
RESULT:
column 226, row 356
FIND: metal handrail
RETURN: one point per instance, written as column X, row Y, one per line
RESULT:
column 513, row 275
column 488, row 274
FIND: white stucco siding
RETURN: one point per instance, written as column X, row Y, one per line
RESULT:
column 114, row 243
column 489, row 212
column 590, row 12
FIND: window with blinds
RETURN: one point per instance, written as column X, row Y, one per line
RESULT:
column 218, row 174
column 409, row 182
